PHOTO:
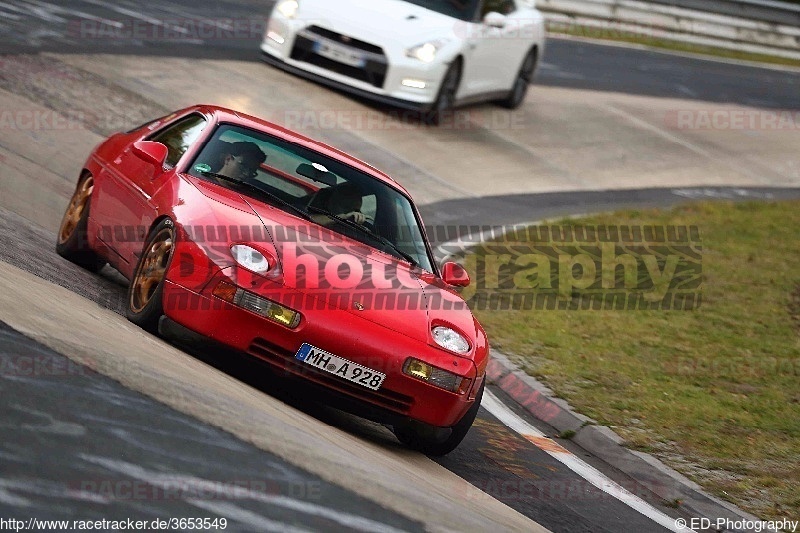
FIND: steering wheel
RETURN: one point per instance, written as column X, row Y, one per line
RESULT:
column 369, row 223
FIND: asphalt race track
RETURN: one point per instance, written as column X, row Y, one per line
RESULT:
column 102, row 421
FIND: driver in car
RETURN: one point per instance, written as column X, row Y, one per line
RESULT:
column 242, row 161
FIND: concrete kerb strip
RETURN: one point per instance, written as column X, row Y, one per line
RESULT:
column 606, row 445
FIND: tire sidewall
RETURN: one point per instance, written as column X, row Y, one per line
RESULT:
column 518, row 92
column 439, row 110
column 76, row 248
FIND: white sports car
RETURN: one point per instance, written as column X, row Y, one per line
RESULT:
column 428, row 55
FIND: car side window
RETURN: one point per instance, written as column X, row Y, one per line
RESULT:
column 179, row 136
column 504, row 7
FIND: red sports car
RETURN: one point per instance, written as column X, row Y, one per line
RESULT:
column 291, row 251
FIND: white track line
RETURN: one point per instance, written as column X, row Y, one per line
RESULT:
column 576, row 464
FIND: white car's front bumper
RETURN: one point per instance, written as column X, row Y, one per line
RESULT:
column 392, row 87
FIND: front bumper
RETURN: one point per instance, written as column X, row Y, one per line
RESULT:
column 391, row 91
column 343, row 86
column 336, row 331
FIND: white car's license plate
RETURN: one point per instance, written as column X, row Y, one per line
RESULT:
column 339, row 53
column 338, row 366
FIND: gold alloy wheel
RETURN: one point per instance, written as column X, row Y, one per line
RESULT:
column 151, row 270
column 77, row 205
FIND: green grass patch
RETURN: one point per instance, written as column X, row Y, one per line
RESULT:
column 715, row 392
column 669, row 44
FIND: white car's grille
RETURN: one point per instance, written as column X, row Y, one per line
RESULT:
column 341, row 54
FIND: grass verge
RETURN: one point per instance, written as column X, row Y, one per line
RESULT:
column 669, row 44
column 714, row 392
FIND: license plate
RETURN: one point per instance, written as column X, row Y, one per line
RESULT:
column 339, row 53
column 338, row 366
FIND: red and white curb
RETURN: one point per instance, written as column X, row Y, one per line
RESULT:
column 576, row 464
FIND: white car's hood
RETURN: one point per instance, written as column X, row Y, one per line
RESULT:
column 381, row 22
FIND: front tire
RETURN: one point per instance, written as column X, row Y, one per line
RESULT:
column 72, row 243
column 438, row 441
column 522, row 81
column 145, row 292
column 446, row 99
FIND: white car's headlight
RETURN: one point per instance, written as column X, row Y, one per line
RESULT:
column 288, row 8
column 450, row 339
column 426, row 52
column 250, row 258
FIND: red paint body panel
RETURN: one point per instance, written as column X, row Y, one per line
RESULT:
column 131, row 196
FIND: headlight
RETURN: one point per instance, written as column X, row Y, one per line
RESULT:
column 435, row 376
column 250, row 258
column 450, row 339
column 426, row 52
column 288, row 8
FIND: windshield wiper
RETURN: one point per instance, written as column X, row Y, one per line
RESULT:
column 259, row 190
column 381, row 239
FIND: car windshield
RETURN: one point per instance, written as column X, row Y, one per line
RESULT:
column 460, row 9
column 307, row 183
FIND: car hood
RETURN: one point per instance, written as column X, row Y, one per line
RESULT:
column 361, row 280
column 342, row 273
column 386, row 23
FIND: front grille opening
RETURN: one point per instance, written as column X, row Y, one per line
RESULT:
column 285, row 361
column 373, row 71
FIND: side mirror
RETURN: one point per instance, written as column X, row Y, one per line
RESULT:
column 493, row 19
column 151, row 151
column 455, row 275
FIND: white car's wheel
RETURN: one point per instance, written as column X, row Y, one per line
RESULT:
column 446, row 99
column 522, row 81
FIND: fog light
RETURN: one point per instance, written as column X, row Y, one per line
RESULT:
column 418, row 369
column 433, row 375
column 414, row 84
column 256, row 304
column 275, row 36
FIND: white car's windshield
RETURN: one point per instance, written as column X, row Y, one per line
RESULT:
column 319, row 188
column 460, row 9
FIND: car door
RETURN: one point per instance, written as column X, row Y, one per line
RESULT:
column 493, row 53
column 134, row 181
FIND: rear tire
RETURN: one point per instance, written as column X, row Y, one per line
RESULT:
column 72, row 243
column 522, row 81
column 435, row 441
column 145, row 292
